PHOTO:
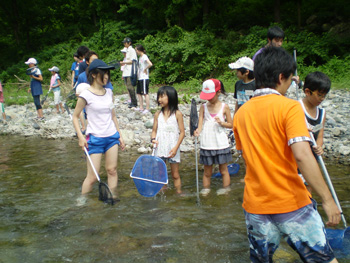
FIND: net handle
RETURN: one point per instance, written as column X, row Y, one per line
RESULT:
column 92, row 165
column 148, row 180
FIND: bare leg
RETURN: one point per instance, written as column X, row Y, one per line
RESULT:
column 139, row 97
column 57, row 109
column 207, row 176
column 62, row 108
column 40, row 113
column 226, row 179
column 176, row 176
column 147, row 101
column 111, row 157
column 91, row 177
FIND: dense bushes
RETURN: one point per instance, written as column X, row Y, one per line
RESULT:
column 180, row 56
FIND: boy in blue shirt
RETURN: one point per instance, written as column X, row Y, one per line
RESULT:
column 245, row 86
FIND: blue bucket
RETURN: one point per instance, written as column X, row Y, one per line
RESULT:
column 339, row 240
column 233, row 169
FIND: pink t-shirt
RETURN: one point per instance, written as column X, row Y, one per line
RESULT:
column 1, row 94
column 99, row 113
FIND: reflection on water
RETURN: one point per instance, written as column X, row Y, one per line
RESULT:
column 41, row 179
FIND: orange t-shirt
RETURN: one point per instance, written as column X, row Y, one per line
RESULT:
column 262, row 127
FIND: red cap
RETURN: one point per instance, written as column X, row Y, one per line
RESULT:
column 209, row 89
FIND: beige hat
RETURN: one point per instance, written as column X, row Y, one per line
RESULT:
column 31, row 61
column 243, row 62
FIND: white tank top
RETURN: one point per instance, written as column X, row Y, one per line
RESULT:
column 167, row 135
column 213, row 135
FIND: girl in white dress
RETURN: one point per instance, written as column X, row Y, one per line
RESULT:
column 168, row 131
column 214, row 119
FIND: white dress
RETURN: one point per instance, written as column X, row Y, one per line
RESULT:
column 167, row 135
column 213, row 135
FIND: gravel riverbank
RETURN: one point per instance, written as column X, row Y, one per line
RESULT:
column 136, row 127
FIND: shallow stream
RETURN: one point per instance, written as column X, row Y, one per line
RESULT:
column 40, row 222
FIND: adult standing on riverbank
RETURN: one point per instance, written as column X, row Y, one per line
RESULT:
column 127, row 62
column 35, row 86
column 276, row 202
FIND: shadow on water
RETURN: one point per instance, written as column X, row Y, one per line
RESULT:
column 41, row 180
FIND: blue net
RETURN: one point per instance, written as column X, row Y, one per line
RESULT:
column 149, row 175
column 233, row 169
column 339, row 239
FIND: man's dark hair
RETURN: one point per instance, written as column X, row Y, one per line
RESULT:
column 275, row 32
column 82, row 50
column 317, row 81
column 269, row 64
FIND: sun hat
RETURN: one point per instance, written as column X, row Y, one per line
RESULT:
column 81, row 87
column 209, row 89
column 31, row 61
column 54, row 68
column 99, row 64
column 127, row 40
column 243, row 62
column 124, row 50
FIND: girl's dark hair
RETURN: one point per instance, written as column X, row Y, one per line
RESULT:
column 317, row 81
column 99, row 73
column 140, row 48
column 222, row 88
column 244, row 70
column 173, row 101
column 269, row 64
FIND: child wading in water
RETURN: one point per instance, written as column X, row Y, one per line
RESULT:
column 214, row 118
column 316, row 88
column 55, row 84
column 168, row 131
column 102, row 133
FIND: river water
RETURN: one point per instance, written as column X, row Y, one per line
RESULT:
column 40, row 222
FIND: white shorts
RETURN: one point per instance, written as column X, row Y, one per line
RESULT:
column 57, row 97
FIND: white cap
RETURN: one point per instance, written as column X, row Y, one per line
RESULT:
column 81, row 87
column 54, row 68
column 31, row 61
column 243, row 62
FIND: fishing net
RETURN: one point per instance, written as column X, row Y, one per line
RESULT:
column 193, row 117
column 105, row 194
column 149, row 174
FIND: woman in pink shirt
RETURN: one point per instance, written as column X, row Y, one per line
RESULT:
column 102, row 134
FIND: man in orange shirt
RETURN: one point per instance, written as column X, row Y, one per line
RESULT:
column 271, row 132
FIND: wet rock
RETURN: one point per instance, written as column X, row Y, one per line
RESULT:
column 136, row 128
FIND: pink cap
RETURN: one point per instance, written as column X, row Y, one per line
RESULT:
column 209, row 89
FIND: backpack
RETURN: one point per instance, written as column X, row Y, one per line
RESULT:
column 134, row 69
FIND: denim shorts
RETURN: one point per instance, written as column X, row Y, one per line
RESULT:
column 101, row 144
column 168, row 159
column 303, row 230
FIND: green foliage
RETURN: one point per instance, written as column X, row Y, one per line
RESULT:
column 185, row 99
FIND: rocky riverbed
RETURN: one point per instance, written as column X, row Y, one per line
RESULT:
column 136, row 127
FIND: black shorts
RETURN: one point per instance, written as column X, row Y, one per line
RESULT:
column 142, row 86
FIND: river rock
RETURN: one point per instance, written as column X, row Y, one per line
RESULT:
column 136, row 128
